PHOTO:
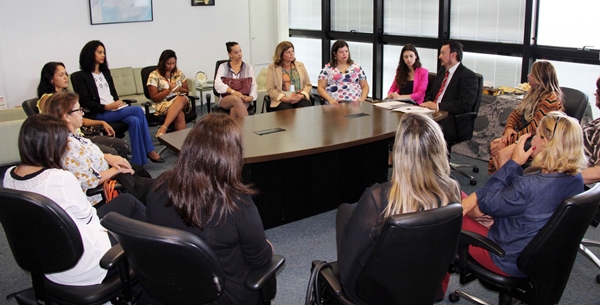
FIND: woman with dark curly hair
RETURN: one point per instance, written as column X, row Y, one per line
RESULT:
column 97, row 93
column 411, row 79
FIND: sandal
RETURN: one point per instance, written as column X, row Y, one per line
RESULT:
column 159, row 133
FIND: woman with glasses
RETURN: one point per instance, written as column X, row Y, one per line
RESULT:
column 54, row 78
column 520, row 205
column 83, row 158
column 288, row 84
column 544, row 96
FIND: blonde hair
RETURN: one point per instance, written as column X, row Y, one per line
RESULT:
column 545, row 76
column 421, row 175
column 564, row 150
column 279, row 50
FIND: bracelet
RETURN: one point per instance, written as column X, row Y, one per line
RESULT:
column 232, row 91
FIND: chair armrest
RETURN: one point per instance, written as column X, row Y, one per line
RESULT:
column 259, row 276
column 193, row 101
column 466, row 114
column 468, row 238
column 332, row 282
column 112, row 257
column 129, row 101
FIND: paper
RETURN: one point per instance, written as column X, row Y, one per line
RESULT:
column 392, row 104
column 415, row 109
column 125, row 105
column 407, row 99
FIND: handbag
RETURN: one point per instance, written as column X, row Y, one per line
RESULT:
column 92, row 131
column 109, row 190
column 241, row 85
column 313, row 291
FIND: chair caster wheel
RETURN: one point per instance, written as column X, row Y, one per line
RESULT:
column 598, row 278
column 473, row 182
column 453, row 297
column 476, row 169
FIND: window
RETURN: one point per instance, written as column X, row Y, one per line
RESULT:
column 565, row 24
column 308, row 51
column 411, row 18
column 391, row 55
column 352, row 15
column 497, row 70
column 581, row 77
column 488, row 20
column 305, row 14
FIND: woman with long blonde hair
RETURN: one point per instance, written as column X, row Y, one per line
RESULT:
column 420, row 181
column 544, row 96
column 519, row 204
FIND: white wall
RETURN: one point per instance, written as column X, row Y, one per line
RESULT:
column 35, row 32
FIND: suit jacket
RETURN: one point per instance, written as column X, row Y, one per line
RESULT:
column 459, row 98
column 85, row 86
column 275, row 80
column 419, row 85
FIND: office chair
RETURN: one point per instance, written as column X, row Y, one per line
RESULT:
column 153, row 119
column 30, row 106
column 119, row 126
column 177, row 267
column 547, row 260
column 44, row 239
column 575, row 102
column 409, row 262
column 215, row 108
column 473, row 115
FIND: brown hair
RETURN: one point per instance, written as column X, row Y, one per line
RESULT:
column 162, row 62
column 281, row 48
column 43, row 141
column 206, row 179
column 403, row 69
column 60, row 104
column 334, row 48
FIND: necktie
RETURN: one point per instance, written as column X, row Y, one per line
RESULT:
column 441, row 87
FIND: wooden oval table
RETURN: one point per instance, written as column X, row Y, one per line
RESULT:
column 322, row 156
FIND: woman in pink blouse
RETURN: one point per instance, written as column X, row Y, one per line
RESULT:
column 411, row 79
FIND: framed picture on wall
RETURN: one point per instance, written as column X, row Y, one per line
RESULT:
column 202, row 2
column 110, row 11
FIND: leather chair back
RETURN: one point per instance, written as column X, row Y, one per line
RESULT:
column 30, row 106
column 575, row 102
column 36, row 226
column 548, row 259
column 145, row 74
column 217, row 64
column 173, row 266
column 411, row 257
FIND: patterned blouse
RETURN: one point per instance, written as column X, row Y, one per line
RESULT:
column 85, row 160
column 591, row 141
column 159, row 81
column 343, row 86
column 516, row 121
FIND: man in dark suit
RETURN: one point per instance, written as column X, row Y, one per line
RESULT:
column 454, row 90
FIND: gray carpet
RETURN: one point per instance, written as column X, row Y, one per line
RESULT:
column 313, row 238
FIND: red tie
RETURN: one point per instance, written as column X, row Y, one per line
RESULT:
column 442, row 87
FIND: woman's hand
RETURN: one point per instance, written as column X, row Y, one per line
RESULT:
column 114, row 105
column 508, row 133
column 471, row 207
column 430, row 105
column 117, row 162
column 496, row 145
column 246, row 98
column 109, row 130
column 519, row 154
column 393, row 95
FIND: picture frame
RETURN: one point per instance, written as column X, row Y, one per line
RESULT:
column 203, row 2
column 123, row 11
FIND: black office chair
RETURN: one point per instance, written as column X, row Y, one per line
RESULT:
column 177, row 267
column 575, row 102
column 30, row 106
column 473, row 115
column 547, row 260
column 409, row 262
column 119, row 127
column 153, row 119
column 215, row 108
column 44, row 239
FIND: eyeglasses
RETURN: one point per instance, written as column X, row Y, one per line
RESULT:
column 80, row 109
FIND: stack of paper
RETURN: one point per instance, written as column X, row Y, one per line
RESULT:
column 392, row 105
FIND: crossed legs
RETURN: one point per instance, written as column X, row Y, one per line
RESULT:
column 237, row 108
column 175, row 115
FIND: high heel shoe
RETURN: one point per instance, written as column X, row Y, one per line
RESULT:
column 159, row 132
column 159, row 160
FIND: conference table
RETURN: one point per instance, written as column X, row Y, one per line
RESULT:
column 309, row 160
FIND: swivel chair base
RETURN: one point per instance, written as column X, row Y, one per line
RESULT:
column 587, row 253
column 457, row 167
